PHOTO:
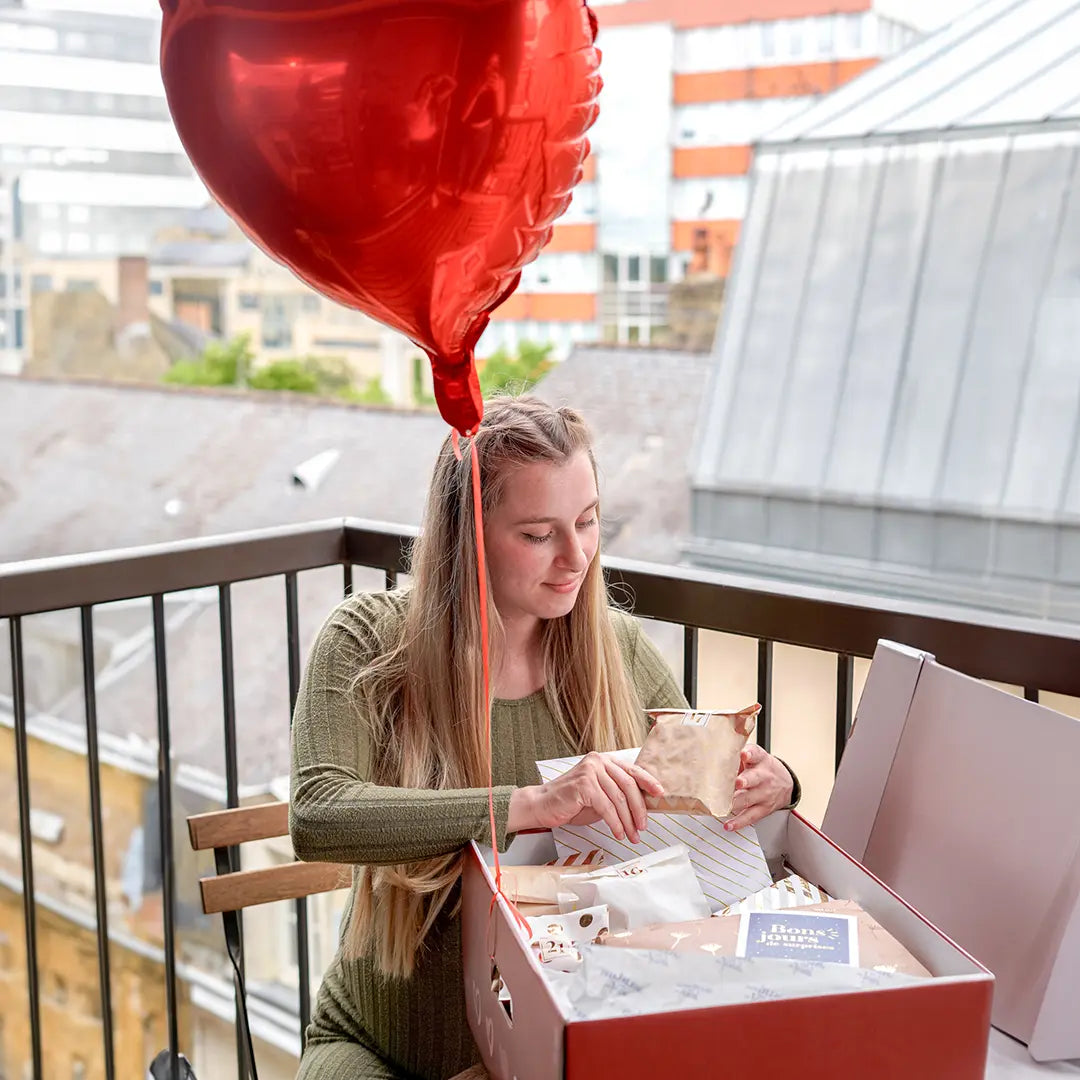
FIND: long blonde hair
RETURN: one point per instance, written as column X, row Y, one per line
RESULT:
column 424, row 697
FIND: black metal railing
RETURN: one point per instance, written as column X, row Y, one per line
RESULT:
column 1028, row 653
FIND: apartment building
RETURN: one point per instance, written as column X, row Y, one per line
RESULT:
column 689, row 87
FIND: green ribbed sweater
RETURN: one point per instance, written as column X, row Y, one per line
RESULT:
column 418, row 1026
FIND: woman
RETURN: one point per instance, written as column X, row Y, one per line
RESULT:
column 389, row 743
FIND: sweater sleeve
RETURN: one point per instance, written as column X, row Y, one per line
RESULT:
column 336, row 814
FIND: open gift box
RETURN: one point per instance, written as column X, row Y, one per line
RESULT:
column 936, row 1029
column 963, row 798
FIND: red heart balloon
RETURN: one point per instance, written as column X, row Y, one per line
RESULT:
column 403, row 157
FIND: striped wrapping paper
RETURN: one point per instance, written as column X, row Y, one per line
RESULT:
column 729, row 866
column 791, row 892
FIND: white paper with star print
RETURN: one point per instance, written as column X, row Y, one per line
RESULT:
column 631, row 982
column 730, row 866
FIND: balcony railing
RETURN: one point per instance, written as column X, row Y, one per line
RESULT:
column 1034, row 655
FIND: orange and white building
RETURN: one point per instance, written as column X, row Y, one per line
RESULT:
column 689, row 87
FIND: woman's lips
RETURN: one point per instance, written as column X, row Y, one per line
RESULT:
column 564, row 586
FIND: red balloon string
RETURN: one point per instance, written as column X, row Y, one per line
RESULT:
column 485, row 652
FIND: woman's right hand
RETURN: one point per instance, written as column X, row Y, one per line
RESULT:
column 598, row 788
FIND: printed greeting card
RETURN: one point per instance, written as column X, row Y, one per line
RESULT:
column 799, row 935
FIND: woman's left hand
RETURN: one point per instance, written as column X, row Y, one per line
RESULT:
column 762, row 786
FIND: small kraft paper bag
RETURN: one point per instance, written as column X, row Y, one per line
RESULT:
column 695, row 757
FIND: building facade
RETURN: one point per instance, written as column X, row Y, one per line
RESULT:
column 689, row 88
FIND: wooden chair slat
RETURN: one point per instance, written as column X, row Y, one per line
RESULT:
column 231, row 892
column 225, row 828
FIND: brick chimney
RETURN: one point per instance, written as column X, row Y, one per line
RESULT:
column 133, row 297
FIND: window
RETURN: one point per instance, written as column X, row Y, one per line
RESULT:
column 633, row 334
column 81, row 285
column 41, row 283
column 309, row 302
column 768, row 39
column 853, row 31
column 78, row 243
column 157, row 288
column 78, row 215
column 611, row 268
column 38, row 38
column 51, row 242
column 276, row 324
column 248, row 301
column 795, row 37
column 657, row 269
column 826, row 34
column 75, row 42
column 633, row 268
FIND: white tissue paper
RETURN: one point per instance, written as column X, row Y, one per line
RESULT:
column 660, row 887
column 631, row 982
column 729, row 865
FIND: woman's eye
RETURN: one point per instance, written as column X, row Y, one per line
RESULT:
column 587, row 524
column 537, row 539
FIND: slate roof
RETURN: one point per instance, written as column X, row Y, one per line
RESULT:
column 1004, row 62
column 87, row 467
column 895, row 396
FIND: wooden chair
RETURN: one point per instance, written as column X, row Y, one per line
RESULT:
column 231, row 890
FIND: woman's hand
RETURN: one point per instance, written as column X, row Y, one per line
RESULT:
column 762, row 786
column 598, row 788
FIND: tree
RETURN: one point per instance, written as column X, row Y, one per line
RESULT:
column 503, row 373
column 223, row 363
column 232, row 364
column 295, row 375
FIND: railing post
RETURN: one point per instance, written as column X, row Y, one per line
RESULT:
column 96, row 840
column 292, row 618
column 22, row 783
column 168, row 884
column 690, row 664
column 232, row 799
column 764, row 693
column 845, row 682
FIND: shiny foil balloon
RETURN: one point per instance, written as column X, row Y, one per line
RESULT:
column 403, row 157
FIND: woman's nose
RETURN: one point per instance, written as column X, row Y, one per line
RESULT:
column 573, row 555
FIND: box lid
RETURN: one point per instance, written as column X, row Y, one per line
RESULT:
column 962, row 798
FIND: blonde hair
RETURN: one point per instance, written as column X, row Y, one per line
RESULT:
column 424, row 698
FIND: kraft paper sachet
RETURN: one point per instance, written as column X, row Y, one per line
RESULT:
column 695, row 757
column 538, row 884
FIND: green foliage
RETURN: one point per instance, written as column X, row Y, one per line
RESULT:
column 294, row 375
column 221, row 364
column 232, row 364
column 372, row 394
column 503, row 373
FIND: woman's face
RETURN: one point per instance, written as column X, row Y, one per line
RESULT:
column 542, row 537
